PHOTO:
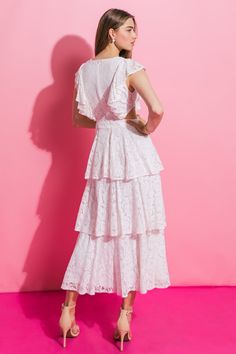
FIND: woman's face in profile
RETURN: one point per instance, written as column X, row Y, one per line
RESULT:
column 125, row 35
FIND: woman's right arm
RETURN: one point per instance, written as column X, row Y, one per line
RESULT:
column 141, row 83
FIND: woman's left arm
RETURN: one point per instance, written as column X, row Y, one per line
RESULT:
column 79, row 120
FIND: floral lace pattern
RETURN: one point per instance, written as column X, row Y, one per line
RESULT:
column 117, row 208
column 121, row 245
column 117, row 265
column 119, row 152
column 121, row 217
column 112, row 98
column 120, row 99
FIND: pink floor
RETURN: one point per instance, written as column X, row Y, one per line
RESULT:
column 176, row 320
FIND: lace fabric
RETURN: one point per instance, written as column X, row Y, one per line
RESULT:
column 117, row 208
column 121, row 242
column 119, row 152
column 112, row 94
column 121, row 217
column 120, row 99
column 117, row 265
column 83, row 104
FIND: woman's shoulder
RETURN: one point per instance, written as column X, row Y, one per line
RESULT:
column 122, row 59
column 132, row 65
column 128, row 65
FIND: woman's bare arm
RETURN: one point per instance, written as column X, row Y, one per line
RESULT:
column 79, row 119
column 140, row 82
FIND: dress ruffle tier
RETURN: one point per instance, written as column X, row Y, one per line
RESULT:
column 121, row 208
column 121, row 218
column 117, row 265
column 120, row 152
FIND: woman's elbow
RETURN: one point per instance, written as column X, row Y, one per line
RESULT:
column 157, row 111
column 75, row 121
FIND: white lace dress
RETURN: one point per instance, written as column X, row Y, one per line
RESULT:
column 121, row 218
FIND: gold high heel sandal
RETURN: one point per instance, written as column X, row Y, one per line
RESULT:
column 67, row 323
column 123, row 331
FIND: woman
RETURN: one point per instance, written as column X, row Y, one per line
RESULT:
column 121, row 219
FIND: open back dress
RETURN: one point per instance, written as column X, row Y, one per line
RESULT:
column 121, row 217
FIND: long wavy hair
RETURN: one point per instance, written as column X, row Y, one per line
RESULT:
column 112, row 18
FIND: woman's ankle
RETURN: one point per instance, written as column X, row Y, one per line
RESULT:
column 70, row 303
column 126, row 307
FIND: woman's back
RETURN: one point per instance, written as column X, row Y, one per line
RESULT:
column 118, row 151
column 102, row 91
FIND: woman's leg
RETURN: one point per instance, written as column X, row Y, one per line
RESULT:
column 127, row 302
column 71, row 297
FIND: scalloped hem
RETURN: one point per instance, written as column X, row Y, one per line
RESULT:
column 123, row 179
column 160, row 285
column 131, row 235
column 119, row 265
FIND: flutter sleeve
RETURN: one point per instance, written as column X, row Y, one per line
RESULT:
column 120, row 99
column 133, row 66
column 83, row 104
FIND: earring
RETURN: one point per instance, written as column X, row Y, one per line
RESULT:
column 113, row 40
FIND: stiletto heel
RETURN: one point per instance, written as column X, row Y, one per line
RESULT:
column 67, row 323
column 123, row 331
column 64, row 338
column 122, row 335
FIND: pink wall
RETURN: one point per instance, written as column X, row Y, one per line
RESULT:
column 189, row 50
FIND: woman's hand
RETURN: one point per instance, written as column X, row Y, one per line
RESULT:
column 139, row 124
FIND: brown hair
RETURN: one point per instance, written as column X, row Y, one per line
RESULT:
column 112, row 18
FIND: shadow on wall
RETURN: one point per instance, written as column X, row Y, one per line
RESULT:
column 51, row 130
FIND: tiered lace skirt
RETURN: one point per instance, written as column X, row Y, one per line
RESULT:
column 121, row 218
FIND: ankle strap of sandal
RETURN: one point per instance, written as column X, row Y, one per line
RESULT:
column 71, row 306
column 126, row 310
